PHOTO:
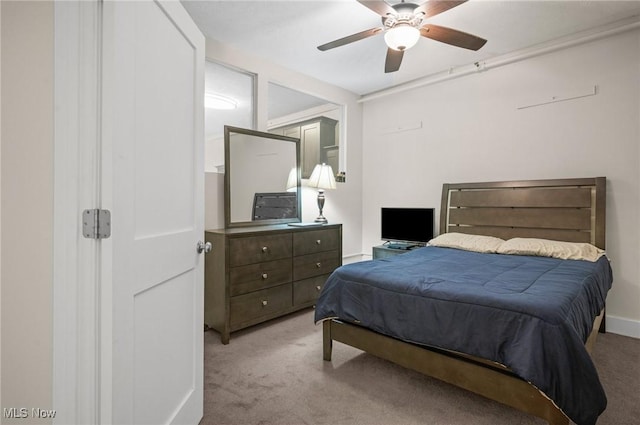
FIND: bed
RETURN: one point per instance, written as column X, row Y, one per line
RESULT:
column 486, row 328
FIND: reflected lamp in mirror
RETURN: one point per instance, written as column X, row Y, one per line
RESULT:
column 322, row 178
column 292, row 181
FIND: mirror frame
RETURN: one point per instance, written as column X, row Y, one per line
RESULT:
column 227, row 178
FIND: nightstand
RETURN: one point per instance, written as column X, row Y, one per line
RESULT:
column 382, row 251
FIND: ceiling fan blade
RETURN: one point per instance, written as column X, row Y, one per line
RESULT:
column 453, row 37
column 435, row 7
column 381, row 7
column 350, row 39
column 393, row 61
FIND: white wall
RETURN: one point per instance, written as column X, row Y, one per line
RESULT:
column 473, row 131
column 27, row 206
column 344, row 204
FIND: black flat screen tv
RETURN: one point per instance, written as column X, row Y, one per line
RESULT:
column 413, row 226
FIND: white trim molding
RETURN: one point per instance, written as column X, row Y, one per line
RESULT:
column 623, row 326
column 498, row 61
column 76, row 325
column 354, row 258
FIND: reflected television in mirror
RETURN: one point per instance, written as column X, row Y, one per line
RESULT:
column 259, row 189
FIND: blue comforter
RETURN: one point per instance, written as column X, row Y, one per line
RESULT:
column 531, row 314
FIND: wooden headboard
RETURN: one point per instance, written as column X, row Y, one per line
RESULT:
column 570, row 210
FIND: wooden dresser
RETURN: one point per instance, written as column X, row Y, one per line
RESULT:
column 254, row 274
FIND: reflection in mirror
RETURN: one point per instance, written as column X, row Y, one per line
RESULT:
column 262, row 178
column 315, row 121
column 229, row 100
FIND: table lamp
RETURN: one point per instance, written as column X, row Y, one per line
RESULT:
column 322, row 177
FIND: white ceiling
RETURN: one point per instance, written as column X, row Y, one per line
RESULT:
column 288, row 32
column 284, row 101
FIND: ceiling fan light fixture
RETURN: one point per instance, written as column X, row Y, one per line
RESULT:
column 402, row 37
column 218, row 101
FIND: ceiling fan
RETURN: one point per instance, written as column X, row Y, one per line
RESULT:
column 403, row 24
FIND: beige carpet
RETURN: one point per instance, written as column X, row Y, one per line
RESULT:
column 274, row 374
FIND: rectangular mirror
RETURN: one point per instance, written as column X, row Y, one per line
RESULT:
column 262, row 178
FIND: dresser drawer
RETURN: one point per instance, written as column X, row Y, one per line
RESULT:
column 252, row 275
column 316, row 241
column 307, row 290
column 257, row 249
column 257, row 276
column 311, row 265
column 254, row 305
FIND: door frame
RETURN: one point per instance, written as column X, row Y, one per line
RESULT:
column 79, row 393
column 82, row 268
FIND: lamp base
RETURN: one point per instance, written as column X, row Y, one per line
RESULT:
column 321, row 219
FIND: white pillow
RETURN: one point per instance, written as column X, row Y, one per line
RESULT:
column 477, row 243
column 549, row 248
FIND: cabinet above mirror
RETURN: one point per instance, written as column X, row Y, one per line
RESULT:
column 315, row 121
column 318, row 142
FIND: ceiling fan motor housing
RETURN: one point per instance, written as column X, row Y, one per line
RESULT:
column 405, row 15
column 403, row 25
column 401, row 28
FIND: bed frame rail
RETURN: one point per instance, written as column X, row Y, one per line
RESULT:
column 493, row 382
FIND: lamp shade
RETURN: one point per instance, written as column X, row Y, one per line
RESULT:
column 292, row 180
column 322, row 177
column 402, row 37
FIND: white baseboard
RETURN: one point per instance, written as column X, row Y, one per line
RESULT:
column 622, row 326
column 354, row 258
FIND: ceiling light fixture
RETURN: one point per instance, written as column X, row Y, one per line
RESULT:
column 402, row 36
column 218, row 101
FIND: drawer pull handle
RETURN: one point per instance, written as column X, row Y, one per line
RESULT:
column 318, row 242
column 264, row 275
column 265, row 248
column 318, row 288
column 318, row 265
column 264, row 303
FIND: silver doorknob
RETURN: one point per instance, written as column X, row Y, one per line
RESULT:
column 203, row 247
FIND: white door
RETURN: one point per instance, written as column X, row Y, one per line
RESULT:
column 153, row 183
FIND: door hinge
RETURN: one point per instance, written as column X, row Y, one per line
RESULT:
column 96, row 224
